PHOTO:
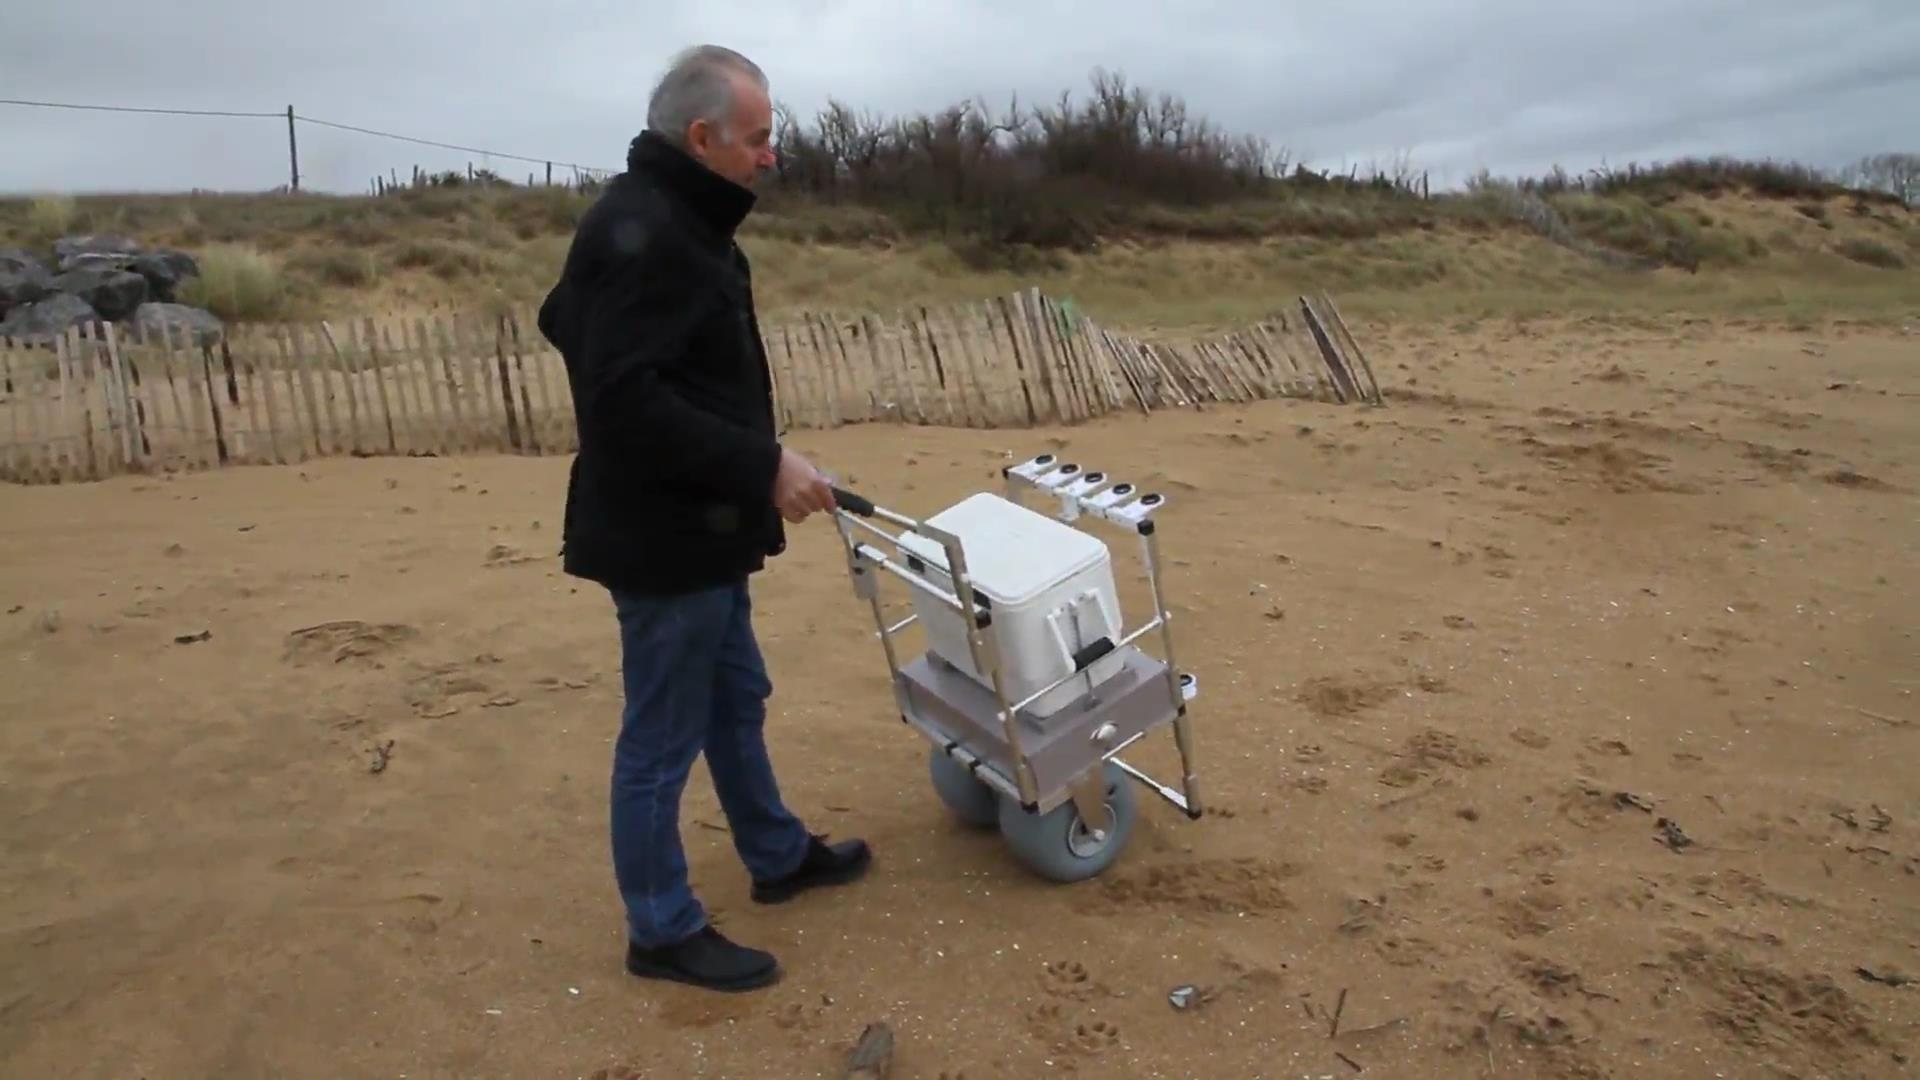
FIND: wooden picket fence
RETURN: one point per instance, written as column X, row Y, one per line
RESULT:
column 100, row 402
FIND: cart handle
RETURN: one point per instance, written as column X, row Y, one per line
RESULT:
column 856, row 504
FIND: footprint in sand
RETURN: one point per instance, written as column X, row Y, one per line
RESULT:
column 1334, row 697
column 1245, row 886
column 1067, row 979
column 346, row 640
column 798, row 1017
column 1097, row 1036
column 438, row 691
column 505, row 555
column 1848, row 478
column 1426, row 751
column 1401, row 951
column 1531, row 739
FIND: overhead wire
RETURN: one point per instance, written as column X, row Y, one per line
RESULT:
column 132, row 109
column 295, row 115
column 448, row 146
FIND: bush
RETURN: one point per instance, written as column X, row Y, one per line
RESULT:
column 1629, row 224
column 802, row 221
column 238, row 283
column 1815, row 212
column 349, row 267
column 539, row 211
column 1054, row 177
column 1872, row 253
column 1712, row 177
column 445, row 259
column 50, row 217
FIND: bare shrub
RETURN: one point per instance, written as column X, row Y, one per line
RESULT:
column 1045, row 176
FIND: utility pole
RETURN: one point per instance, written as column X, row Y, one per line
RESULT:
column 293, row 149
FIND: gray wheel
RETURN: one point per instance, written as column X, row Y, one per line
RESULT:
column 972, row 801
column 1057, row 845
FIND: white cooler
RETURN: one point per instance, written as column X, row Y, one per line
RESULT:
column 1048, row 585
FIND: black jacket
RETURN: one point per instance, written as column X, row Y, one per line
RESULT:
column 672, row 488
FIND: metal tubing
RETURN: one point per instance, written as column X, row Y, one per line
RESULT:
column 1183, row 738
column 886, row 639
column 1010, row 727
column 1071, row 675
column 870, row 526
column 912, row 578
column 963, row 588
column 1182, row 732
column 1150, row 541
column 985, row 657
column 986, row 773
column 901, row 520
column 897, row 518
column 853, row 553
column 872, row 590
column 1164, row 791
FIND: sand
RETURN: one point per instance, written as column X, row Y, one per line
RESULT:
column 1557, row 720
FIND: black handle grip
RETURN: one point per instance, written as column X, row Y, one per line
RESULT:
column 852, row 503
column 1092, row 651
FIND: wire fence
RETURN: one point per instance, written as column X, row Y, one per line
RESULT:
column 573, row 173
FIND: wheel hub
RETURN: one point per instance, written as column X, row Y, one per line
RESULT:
column 1084, row 840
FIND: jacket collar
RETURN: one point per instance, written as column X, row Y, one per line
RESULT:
column 716, row 200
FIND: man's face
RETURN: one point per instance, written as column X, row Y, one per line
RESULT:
column 743, row 146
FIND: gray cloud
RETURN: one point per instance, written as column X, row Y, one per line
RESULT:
column 1509, row 85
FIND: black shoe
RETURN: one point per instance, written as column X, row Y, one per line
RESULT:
column 825, row 864
column 705, row 959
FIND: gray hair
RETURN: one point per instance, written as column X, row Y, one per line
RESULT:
column 698, row 85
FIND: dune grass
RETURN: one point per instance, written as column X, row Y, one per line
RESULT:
column 1793, row 254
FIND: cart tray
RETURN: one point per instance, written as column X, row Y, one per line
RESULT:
column 951, row 707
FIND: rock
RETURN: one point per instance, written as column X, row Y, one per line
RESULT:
column 44, row 320
column 152, row 319
column 88, row 260
column 872, row 1056
column 164, row 271
column 112, row 293
column 94, row 244
column 23, row 280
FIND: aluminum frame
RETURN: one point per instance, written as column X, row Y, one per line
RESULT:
column 1078, row 493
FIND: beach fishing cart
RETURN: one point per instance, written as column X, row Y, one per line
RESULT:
column 1030, row 687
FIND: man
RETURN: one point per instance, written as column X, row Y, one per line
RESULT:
column 676, row 496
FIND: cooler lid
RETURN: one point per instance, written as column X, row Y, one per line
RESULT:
column 1013, row 554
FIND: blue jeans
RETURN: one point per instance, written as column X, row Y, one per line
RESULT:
column 694, row 681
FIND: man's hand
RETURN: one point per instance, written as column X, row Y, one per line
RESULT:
column 799, row 489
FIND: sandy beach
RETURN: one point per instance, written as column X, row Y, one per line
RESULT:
column 1558, row 719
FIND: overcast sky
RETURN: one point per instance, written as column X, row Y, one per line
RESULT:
column 1516, row 86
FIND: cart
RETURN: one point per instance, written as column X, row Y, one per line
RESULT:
column 1030, row 688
